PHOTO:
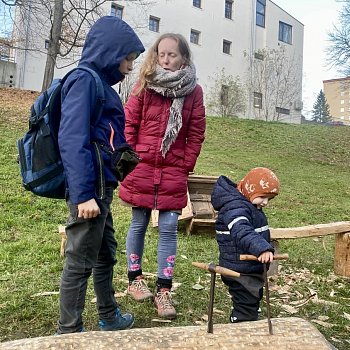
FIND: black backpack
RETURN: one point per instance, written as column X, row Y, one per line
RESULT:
column 39, row 157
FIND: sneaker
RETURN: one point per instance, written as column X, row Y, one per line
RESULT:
column 119, row 323
column 164, row 304
column 138, row 289
column 82, row 329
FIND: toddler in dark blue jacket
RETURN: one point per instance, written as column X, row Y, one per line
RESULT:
column 242, row 228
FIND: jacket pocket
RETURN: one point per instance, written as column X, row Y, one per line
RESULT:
column 175, row 157
column 145, row 152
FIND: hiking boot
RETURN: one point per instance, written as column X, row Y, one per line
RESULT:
column 164, row 304
column 138, row 289
column 119, row 323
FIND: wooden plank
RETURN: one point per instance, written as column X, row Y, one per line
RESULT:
column 310, row 231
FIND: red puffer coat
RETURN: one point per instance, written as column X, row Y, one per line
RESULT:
column 157, row 182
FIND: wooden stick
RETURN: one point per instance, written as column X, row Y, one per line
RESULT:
column 254, row 258
column 218, row 269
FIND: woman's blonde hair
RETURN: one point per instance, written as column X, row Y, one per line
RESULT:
column 148, row 66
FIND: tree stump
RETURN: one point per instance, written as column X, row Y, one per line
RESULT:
column 342, row 254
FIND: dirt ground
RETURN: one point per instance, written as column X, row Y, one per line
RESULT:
column 15, row 103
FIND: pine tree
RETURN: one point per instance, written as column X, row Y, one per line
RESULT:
column 320, row 112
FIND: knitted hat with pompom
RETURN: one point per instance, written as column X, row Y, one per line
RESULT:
column 259, row 182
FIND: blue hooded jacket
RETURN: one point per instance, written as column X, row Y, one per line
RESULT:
column 241, row 228
column 108, row 42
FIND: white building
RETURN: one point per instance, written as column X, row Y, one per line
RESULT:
column 231, row 34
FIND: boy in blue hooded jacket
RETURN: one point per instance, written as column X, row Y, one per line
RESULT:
column 242, row 228
column 110, row 48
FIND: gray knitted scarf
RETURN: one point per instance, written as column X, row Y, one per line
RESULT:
column 175, row 85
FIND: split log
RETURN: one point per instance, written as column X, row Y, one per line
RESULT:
column 289, row 333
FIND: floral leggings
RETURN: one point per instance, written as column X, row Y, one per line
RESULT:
column 167, row 243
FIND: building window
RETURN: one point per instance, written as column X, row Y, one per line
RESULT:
column 197, row 3
column 342, row 93
column 117, row 11
column 341, row 102
column 47, row 43
column 341, row 110
column 282, row 110
column 153, row 24
column 226, row 47
column 258, row 56
column 285, row 33
column 260, row 12
column 258, row 100
column 228, row 9
column 194, row 37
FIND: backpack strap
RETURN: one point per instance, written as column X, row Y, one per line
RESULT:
column 100, row 93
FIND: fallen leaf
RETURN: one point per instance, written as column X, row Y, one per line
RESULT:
column 336, row 340
column 323, row 324
column 199, row 323
column 323, row 318
column 204, row 318
column 217, row 311
column 160, row 320
column 184, row 257
column 347, row 316
column 197, row 286
column 175, row 285
column 43, row 294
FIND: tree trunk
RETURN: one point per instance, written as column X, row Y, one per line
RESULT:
column 54, row 44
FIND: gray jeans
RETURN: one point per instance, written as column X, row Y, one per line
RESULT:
column 91, row 248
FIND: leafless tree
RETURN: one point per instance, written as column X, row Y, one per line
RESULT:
column 66, row 21
column 226, row 97
column 273, row 82
column 338, row 50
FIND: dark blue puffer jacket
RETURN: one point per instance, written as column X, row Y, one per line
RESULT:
column 241, row 228
column 108, row 42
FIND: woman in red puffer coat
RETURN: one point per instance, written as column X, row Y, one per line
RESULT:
column 165, row 124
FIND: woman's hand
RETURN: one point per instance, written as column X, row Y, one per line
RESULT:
column 266, row 257
column 88, row 209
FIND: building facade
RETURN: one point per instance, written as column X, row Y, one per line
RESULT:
column 238, row 36
column 337, row 93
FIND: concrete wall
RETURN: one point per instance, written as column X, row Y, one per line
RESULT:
column 7, row 74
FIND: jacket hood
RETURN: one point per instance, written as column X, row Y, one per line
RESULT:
column 108, row 42
column 225, row 191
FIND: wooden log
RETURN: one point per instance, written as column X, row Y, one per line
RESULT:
column 342, row 254
column 289, row 333
column 310, row 230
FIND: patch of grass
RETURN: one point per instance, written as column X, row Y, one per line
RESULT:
column 313, row 164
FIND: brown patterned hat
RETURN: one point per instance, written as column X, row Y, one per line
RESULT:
column 259, row 182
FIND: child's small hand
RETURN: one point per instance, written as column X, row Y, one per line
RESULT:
column 265, row 257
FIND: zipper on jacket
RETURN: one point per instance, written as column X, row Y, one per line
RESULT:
column 100, row 175
column 155, row 196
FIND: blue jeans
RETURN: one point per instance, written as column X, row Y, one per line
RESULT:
column 91, row 249
column 167, row 243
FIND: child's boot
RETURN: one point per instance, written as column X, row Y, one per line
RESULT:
column 164, row 303
column 138, row 289
column 119, row 323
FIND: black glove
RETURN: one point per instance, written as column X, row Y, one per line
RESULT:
column 124, row 160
